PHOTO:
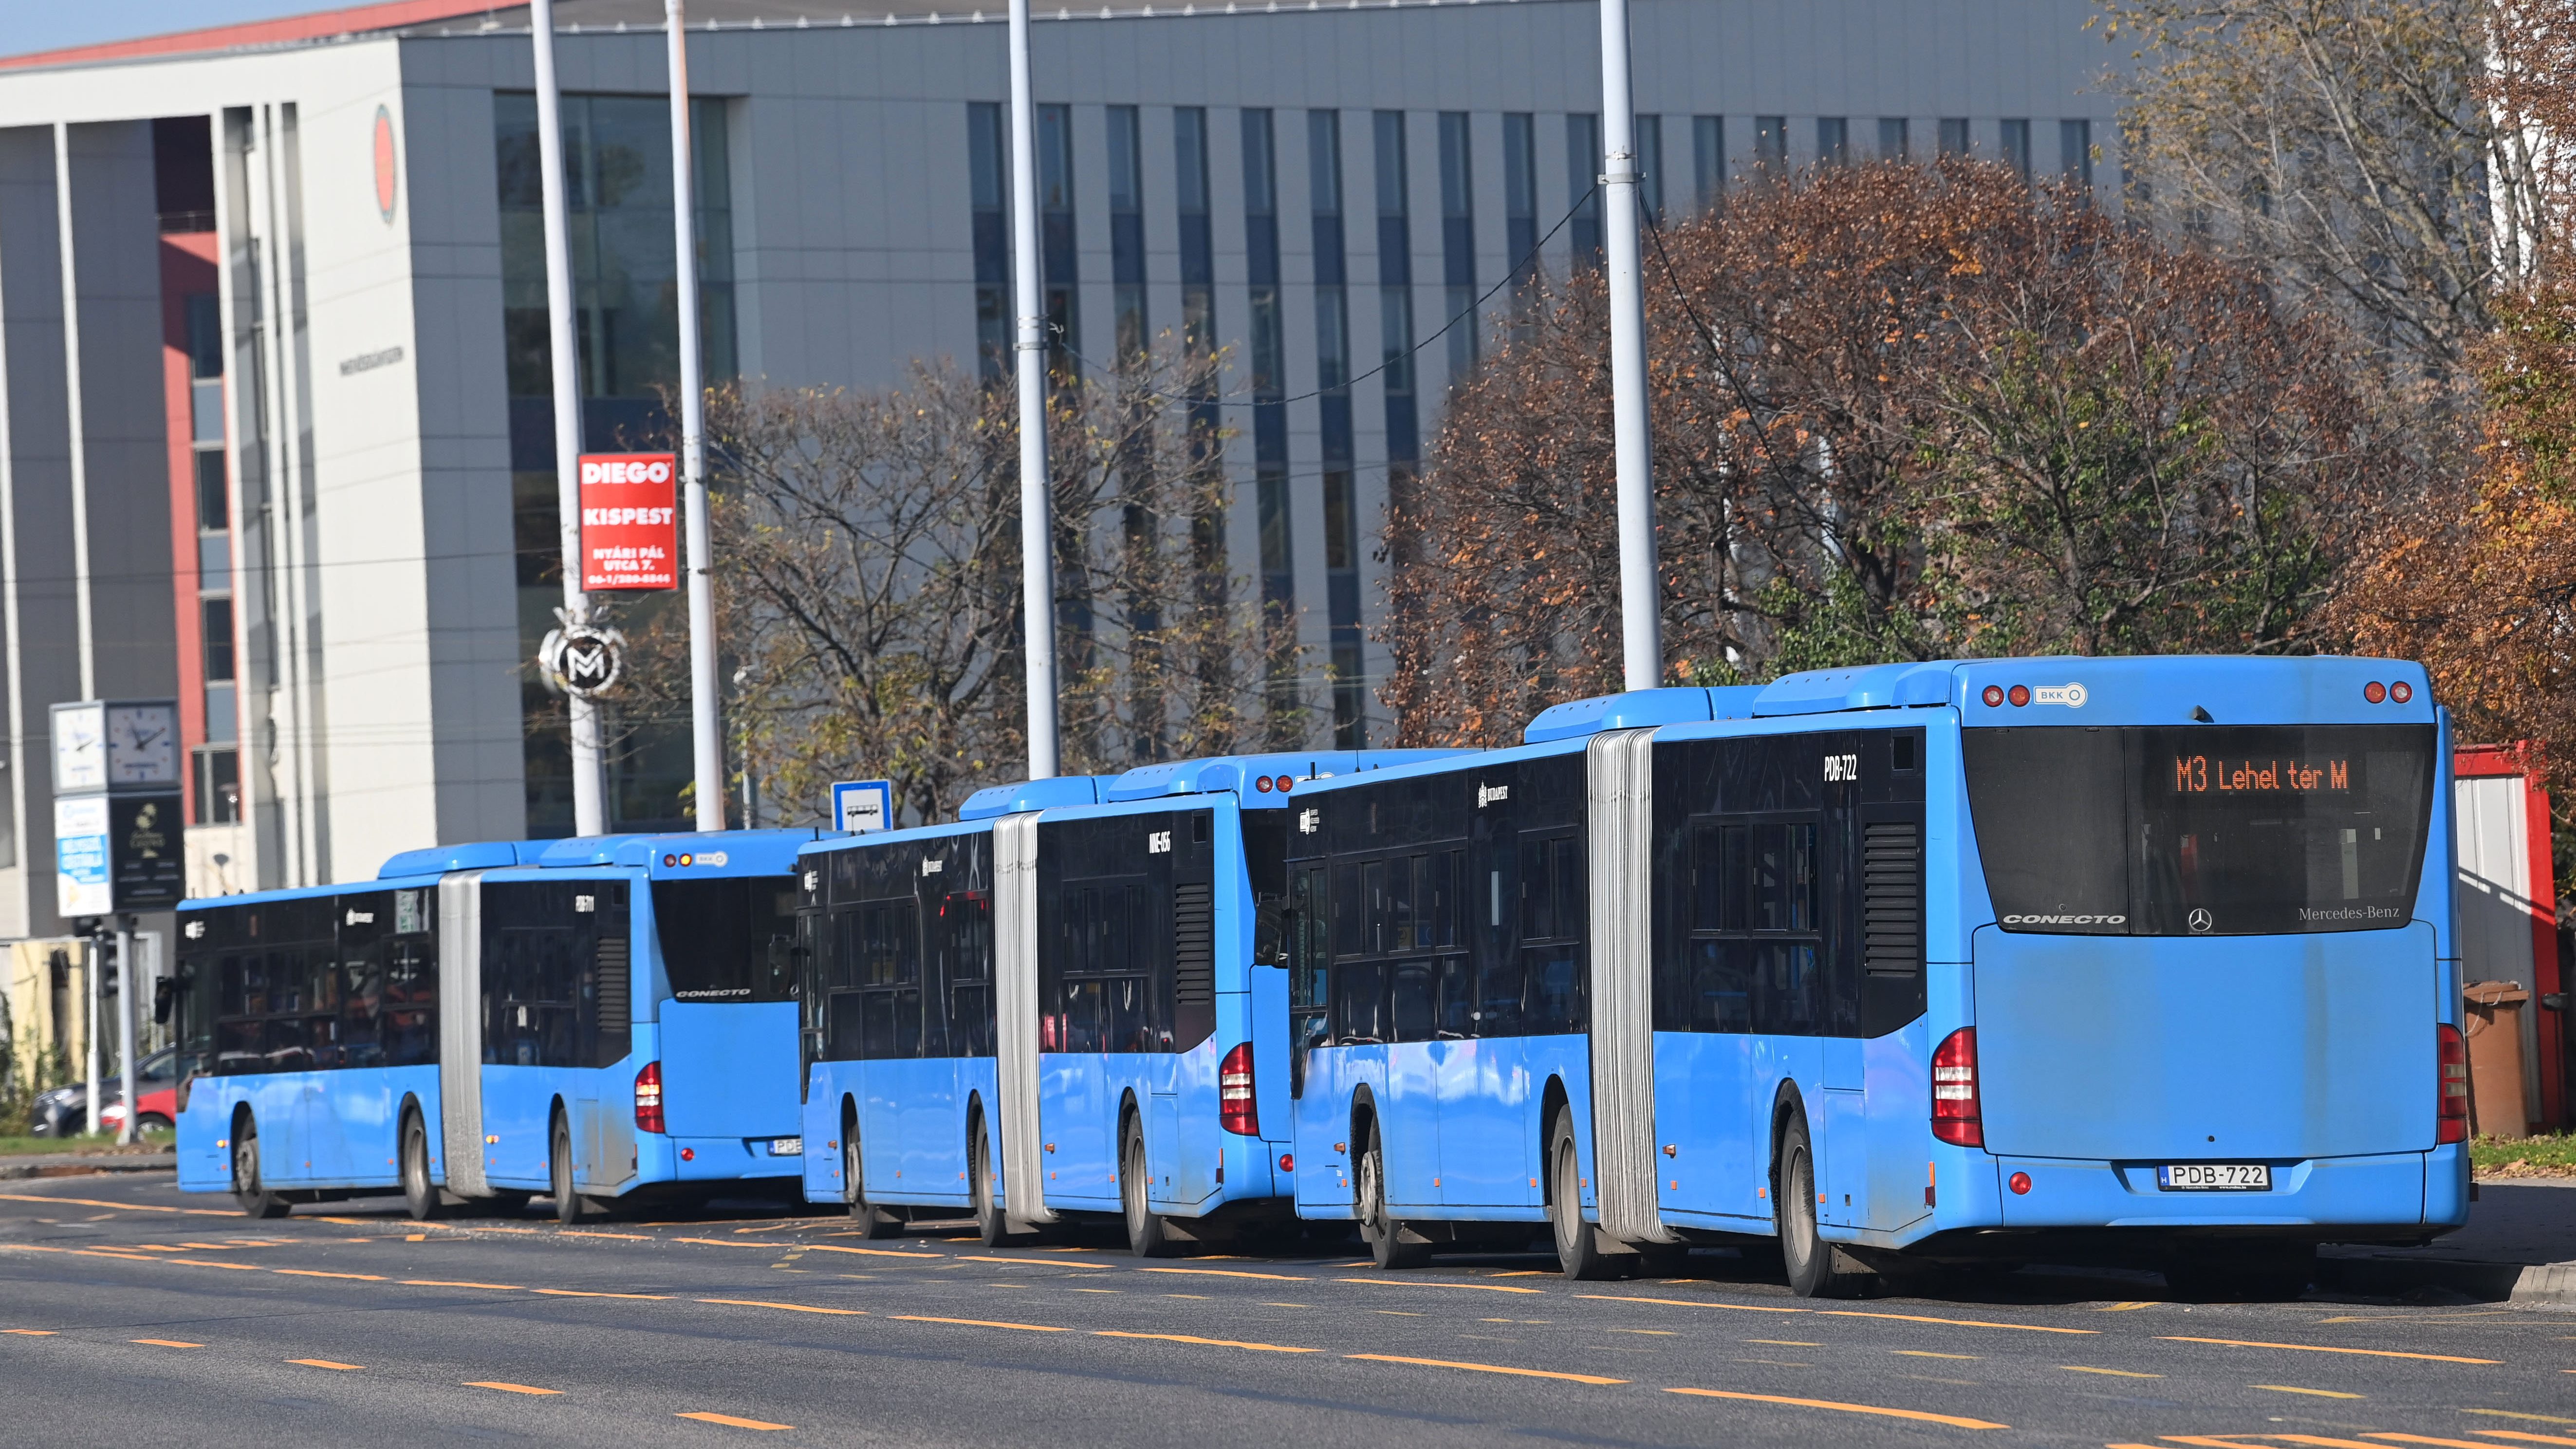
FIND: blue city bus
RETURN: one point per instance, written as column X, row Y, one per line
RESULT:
column 1071, row 987
column 1897, row 969
column 608, row 1018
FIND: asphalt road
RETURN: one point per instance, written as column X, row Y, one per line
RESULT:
column 133, row 1314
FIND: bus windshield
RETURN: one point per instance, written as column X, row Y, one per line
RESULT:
column 2201, row 829
column 728, row 938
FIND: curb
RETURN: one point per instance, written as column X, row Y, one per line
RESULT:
column 2546, row 1285
column 87, row 1166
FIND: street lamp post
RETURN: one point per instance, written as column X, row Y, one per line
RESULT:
column 705, row 730
column 1640, row 604
column 1037, row 562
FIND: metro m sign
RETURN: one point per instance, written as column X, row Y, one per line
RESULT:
column 628, row 538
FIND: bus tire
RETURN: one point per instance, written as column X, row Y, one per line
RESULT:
column 254, row 1197
column 990, row 1225
column 873, row 1221
column 1384, row 1233
column 1816, row 1268
column 569, row 1208
column 1578, row 1243
column 420, row 1196
column 1145, row 1235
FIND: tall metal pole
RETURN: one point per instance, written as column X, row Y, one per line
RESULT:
column 125, row 1024
column 706, row 732
column 1037, row 519
column 588, row 815
column 90, row 982
column 1640, row 602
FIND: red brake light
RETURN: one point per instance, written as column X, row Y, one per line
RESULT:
column 1957, row 1117
column 648, row 1098
column 1234, row 1106
column 1994, row 695
column 2451, row 1102
column 1287, row 783
column 2019, row 695
column 1262, row 784
column 2401, row 691
column 2374, row 691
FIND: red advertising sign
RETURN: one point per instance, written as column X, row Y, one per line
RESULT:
column 628, row 538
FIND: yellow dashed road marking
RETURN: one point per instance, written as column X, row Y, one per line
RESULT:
column 2314, row 1393
column 1208, row 1342
column 1919, row 1415
column 166, row 1342
column 790, row 1307
column 507, row 1388
column 706, row 1417
column 328, row 1364
column 1484, row 1368
column 2327, row 1348
column 978, row 1323
column 1435, row 1283
column 2077, row 1368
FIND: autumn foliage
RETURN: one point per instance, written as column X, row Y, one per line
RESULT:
column 1898, row 412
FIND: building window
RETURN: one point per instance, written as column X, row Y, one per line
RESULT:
column 2016, row 139
column 217, row 617
column 218, row 782
column 1771, row 145
column 1333, row 380
column 1650, row 167
column 1458, row 241
column 988, row 171
column 214, row 500
column 1127, row 235
column 1198, row 246
column 1954, row 136
column 1833, row 140
column 1708, row 160
column 1268, row 362
column 1892, row 140
column 1582, row 165
column 1055, row 237
column 1395, row 298
column 2075, row 153
column 1520, row 194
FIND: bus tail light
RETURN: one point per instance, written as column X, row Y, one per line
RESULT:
column 2451, row 1110
column 648, row 1098
column 1234, row 1106
column 1957, row 1117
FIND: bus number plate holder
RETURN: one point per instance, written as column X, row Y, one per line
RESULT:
column 786, row 1146
column 2215, row 1177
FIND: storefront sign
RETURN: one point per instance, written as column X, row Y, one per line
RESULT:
column 629, row 538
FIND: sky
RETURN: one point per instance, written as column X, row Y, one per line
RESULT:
column 51, row 27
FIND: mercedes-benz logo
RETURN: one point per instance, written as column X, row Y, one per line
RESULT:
column 2201, row 920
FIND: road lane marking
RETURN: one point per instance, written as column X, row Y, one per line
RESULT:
column 328, row 1363
column 134, row 1207
column 1918, row 1415
column 585, row 1233
column 2315, row 1393
column 1019, row 1262
column 2518, row 1435
column 2510, row 1414
column 1686, row 1303
column 584, row 1293
column 446, row 1283
column 1434, row 1283
column 2327, row 1348
column 1484, row 1368
column 1208, row 1342
column 1227, row 1273
column 1955, row 1322
column 2077, row 1368
column 719, row 1243
column 1099, row 1290
column 2129, row 1307
column 1927, row 1353
column 978, row 1323
column 1785, row 1342
column 318, row 1273
column 836, row 1248
column 209, row 1263
column 790, row 1307
column 2425, row 1439
column 166, row 1342
column 2319, row 1441
column 1657, row 1332
column 507, row 1388
column 33, row 1332
column 704, row 1416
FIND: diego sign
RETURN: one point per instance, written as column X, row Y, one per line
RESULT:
column 629, row 537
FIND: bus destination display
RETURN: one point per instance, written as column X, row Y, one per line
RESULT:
column 2208, row 775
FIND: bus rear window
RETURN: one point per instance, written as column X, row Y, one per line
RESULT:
column 729, row 938
column 2201, row 830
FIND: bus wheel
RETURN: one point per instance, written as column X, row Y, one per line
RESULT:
column 568, row 1203
column 876, row 1221
column 1816, row 1268
column 420, row 1198
column 1578, row 1243
column 989, row 1223
column 1384, row 1233
column 1145, row 1236
column 254, row 1198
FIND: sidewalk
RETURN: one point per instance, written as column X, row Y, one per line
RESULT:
column 82, row 1164
column 2519, row 1245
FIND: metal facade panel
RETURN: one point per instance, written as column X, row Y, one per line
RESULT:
column 1619, row 768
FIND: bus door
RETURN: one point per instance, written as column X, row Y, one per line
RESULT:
column 1319, row 1115
column 960, row 900
column 1095, row 985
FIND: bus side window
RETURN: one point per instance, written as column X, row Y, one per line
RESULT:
column 1309, row 974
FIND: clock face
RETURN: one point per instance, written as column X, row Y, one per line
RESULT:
column 80, row 748
column 143, row 745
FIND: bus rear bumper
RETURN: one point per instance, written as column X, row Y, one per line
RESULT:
column 2402, row 1196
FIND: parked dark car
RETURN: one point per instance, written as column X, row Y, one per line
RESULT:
column 64, row 1111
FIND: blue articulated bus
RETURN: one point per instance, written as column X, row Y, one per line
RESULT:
column 1897, row 968
column 599, row 1019
column 1056, row 1006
